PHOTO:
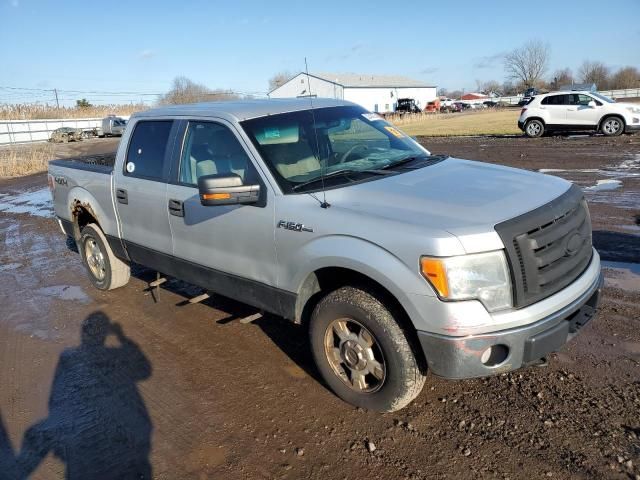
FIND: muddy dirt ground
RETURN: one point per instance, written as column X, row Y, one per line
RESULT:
column 190, row 392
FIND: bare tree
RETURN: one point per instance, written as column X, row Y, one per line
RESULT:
column 443, row 92
column 528, row 63
column 508, row 88
column 184, row 90
column 626, row 77
column 279, row 79
column 488, row 87
column 561, row 77
column 595, row 72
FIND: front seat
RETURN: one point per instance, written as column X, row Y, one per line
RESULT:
column 292, row 159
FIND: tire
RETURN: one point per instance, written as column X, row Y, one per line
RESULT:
column 534, row 128
column 612, row 126
column 362, row 353
column 106, row 271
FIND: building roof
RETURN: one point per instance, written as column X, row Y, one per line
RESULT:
column 243, row 109
column 473, row 96
column 368, row 80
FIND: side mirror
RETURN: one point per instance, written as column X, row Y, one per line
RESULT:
column 226, row 189
column 592, row 104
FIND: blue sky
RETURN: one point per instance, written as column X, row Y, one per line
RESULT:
column 140, row 46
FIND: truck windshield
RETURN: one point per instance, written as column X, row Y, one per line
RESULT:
column 344, row 144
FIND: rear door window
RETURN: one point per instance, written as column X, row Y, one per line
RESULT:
column 146, row 155
column 554, row 100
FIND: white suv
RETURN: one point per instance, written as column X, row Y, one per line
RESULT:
column 579, row 110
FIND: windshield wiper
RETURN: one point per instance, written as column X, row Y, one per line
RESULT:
column 337, row 173
column 428, row 158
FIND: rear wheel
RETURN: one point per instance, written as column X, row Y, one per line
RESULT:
column 362, row 353
column 106, row 271
column 612, row 126
column 534, row 128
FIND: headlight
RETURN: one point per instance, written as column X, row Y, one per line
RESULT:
column 482, row 276
column 634, row 109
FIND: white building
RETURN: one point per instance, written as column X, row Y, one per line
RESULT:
column 377, row 93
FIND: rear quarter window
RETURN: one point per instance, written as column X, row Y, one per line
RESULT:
column 147, row 149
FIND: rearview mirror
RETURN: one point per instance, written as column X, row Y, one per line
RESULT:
column 591, row 104
column 226, row 189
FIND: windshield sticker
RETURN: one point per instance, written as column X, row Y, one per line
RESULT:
column 395, row 132
column 372, row 117
column 271, row 132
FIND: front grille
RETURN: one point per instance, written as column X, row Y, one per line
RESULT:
column 547, row 248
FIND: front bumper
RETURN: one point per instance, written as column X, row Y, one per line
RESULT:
column 462, row 357
column 630, row 128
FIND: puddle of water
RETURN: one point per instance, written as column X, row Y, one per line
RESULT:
column 622, row 275
column 630, row 228
column 64, row 292
column 9, row 266
column 629, row 167
column 36, row 203
column 604, row 185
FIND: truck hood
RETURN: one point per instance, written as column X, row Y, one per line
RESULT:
column 463, row 197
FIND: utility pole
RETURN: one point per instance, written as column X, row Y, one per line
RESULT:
column 55, row 90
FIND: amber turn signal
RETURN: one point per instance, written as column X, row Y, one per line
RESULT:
column 434, row 271
column 216, row 196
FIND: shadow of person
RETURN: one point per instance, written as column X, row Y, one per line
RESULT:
column 7, row 456
column 98, row 424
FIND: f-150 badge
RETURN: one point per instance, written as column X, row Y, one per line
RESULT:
column 296, row 227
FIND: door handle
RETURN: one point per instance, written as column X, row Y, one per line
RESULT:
column 121, row 196
column 176, row 208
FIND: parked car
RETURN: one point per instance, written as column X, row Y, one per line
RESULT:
column 397, row 261
column 407, row 105
column 446, row 102
column 462, row 106
column 112, row 126
column 490, row 104
column 433, row 106
column 583, row 110
column 65, row 135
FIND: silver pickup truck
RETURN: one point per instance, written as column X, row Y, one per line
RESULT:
column 397, row 261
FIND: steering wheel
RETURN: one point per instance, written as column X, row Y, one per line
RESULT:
column 346, row 155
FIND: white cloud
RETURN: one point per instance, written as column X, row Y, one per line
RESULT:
column 146, row 54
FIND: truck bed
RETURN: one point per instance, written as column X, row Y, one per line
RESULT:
column 101, row 163
column 85, row 180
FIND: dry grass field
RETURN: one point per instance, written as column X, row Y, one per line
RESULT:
column 25, row 159
column 33, row 112
column 484, row 122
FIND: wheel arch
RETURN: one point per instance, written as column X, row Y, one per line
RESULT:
column 84, row 209
column 324, row 280
column 609, row 115
column 536, row 117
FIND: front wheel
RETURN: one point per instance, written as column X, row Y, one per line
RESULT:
column 612, row 126
column 362, row 353
column 534, row 128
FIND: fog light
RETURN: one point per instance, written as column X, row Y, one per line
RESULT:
column 494, row 355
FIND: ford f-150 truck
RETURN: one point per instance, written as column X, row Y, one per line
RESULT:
column 398, row 262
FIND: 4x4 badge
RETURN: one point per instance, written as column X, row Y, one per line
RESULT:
column 293, row 226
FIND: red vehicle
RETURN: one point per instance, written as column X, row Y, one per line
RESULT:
column 433, row 106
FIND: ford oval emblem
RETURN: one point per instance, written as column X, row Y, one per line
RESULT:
column 573, row 243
